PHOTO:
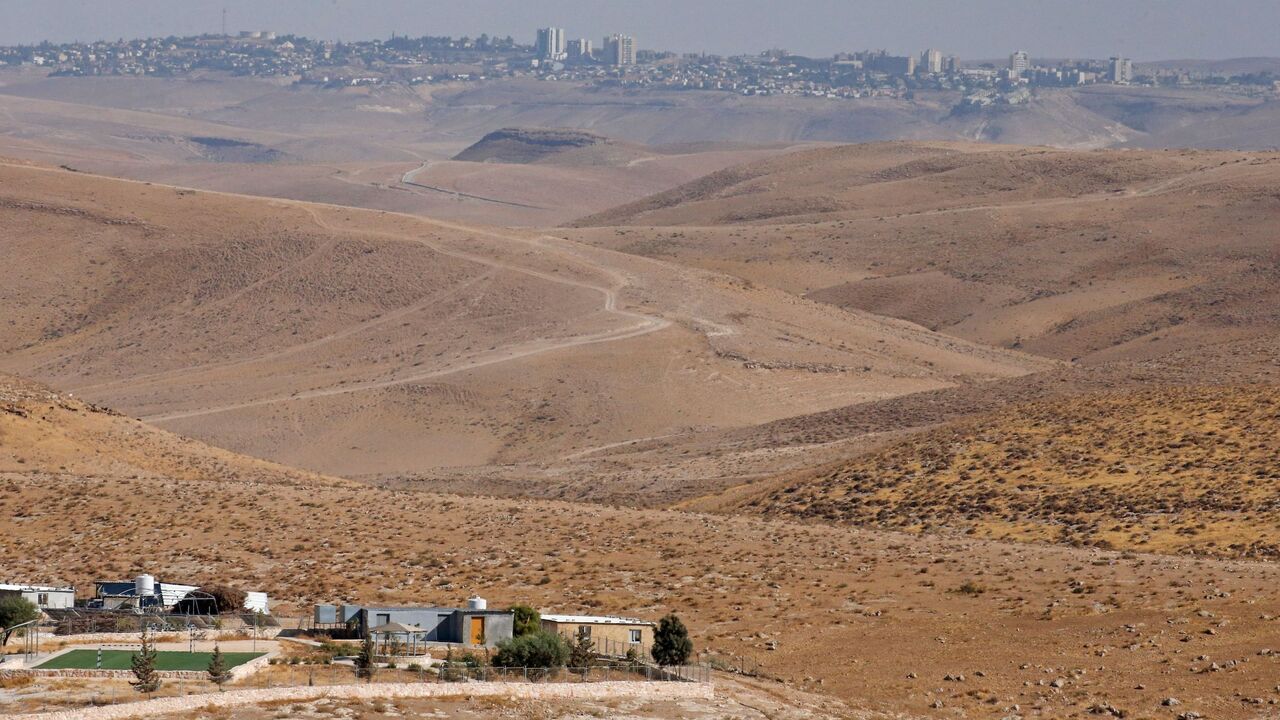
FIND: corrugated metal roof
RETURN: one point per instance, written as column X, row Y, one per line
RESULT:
column 172, row 594
column 594, row 620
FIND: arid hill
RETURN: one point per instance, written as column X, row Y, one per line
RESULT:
column 1088, row 256
column 531, row 145
column 358, row 342
column 1056, row 630
column 43, row 431
column 1165, row 470
column 353, row 146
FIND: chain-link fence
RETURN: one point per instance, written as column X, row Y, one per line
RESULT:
column 80, row 692
column 342, row 674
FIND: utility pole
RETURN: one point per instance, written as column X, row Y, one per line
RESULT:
column 224, row 22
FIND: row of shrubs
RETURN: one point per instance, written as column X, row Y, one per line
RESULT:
column 301, row 660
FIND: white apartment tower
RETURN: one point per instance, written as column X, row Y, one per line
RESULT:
column 1019, row 63
column 619, row 50
column 1121, row 70
column 932, row 61
column 550, row 44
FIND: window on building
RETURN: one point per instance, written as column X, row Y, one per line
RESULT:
column 584, row 631
column 383, row 619
column 42, row 599
column 635, row 637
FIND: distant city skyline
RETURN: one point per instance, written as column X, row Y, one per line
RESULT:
column 986, row 29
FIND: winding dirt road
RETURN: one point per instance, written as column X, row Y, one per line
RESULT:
column 641, row 324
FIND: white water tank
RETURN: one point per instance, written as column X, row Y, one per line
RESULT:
column 144, row 585
column 475, row 602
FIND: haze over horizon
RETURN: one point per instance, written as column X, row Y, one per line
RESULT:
column 1176, row 29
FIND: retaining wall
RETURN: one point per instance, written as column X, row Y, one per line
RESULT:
column 529, row 691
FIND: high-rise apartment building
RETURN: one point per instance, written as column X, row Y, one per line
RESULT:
column 931, row 60
column 619, row 50
column 550, row 45
column 1121, row 70
column 579, row 49
column 1019, row 63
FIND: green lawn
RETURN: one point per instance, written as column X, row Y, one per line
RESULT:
column 123, row 659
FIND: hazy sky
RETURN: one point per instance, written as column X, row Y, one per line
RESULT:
column 1142, row 29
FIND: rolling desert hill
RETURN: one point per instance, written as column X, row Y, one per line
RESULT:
column 927, row 626
column 1174, row 469
column 358, row 342
column 357, row 145
column 556, row 145
column 42, row 430
column 1084, row 256
column 931, row 428
column 361, row 147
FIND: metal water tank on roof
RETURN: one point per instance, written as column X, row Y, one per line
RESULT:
column 475, row 602
column 144, row 585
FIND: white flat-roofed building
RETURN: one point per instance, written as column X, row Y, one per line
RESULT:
column 610, row 635
column 45, row 597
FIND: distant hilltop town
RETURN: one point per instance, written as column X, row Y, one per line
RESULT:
column 616, row 61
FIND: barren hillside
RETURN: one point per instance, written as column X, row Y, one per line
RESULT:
column 359, row 342
column 1167, row 470
column 905, row 624
column 550, row 145
column 355, row 146
column 1095, row 256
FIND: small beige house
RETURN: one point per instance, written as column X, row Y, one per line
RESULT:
column 610, row 635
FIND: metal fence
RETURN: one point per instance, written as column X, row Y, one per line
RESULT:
column 79, row 621
column 344, row 674
column 93, row 692
column 597, row 673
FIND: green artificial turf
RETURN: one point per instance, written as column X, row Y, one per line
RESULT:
column 123, row 660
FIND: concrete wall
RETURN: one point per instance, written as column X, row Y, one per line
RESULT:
column 530, row 691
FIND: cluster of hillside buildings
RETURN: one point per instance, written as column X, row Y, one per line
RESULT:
column 411, row 627
column 142, row 593
column 476, row 625
column 616, row 61
column 553, row 45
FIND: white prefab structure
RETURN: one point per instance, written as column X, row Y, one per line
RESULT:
column 45, row 597
column 256, row 602
column 171, row 594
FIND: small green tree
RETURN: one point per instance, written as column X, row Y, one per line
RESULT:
column 364, row 661
column 219, row 673
column 671, row 643
column 146, row 679
column 527, row 620
column 15, row 610
column 542, row 650
column 582, row 653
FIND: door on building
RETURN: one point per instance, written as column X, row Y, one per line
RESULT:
column 477, row 631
